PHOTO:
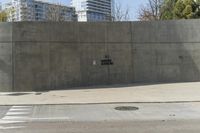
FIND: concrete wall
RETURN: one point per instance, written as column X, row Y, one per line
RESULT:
column 64, row 55
column 44, row 56
column 167, row 51
column 6, row 57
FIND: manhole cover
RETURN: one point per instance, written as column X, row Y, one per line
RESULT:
column 126, row 108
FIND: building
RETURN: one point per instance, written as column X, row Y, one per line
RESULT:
column 35, row 10
column 94, row 10
column 0, row 6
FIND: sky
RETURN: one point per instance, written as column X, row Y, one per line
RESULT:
column 133, row 5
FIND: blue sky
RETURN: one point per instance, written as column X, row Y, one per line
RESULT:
column 132, row 4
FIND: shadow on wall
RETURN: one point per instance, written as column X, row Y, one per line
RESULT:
column 166, row 51
column 189, row 55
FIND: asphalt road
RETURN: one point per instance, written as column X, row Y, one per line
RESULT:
column 101, row 118
column 3, row 110
column 110, row 127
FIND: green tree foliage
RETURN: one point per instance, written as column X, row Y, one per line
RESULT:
column 180, row 9
column 184, row 9
column 3, row 16
column 167, row 9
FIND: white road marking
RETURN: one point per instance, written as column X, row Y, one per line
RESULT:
column 20, row 109
column 11, row 127
column 11, row 122
column 16, row 115
column 14, row 118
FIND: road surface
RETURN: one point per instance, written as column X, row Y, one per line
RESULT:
column 101, row 118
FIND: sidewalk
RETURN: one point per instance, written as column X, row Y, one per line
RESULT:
column 177, row 92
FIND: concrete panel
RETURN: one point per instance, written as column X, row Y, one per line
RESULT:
column 64, row 32
column 190, row 68
column 144, row 60
column 166, row 31
column 31, row 66
column 121, row 71
column 5, row 66
column 92, row 71
column 166, row 62
column 92, row 32
column 45, row 32
column 5, row 32
column 65, row 66
column 31, row 32
column 119, row 32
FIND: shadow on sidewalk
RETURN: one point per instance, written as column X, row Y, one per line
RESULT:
column 123, row 85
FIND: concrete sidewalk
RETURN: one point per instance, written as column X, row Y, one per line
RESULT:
column 177, row 92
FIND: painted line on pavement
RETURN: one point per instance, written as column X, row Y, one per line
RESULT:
column 14, row 118
column 19, row 109
column 11, row 122
column 16, row 115
column 11, row 127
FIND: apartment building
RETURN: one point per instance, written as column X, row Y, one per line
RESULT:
column 0, row 6
column 94, row 10
column 38, row 10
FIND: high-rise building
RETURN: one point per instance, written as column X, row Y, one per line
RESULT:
column 38, row 10
column 94, row 10
column 0, row 6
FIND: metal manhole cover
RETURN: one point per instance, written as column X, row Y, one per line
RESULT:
column 126, row 108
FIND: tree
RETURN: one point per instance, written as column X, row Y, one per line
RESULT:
column 55, row 13
column 121, row 14
column 3, row 16
column 150, row 11
column 7, row 14
column 167, row 9
column 180, row 9
column 184, row 9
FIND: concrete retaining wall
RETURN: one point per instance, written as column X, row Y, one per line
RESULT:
column 167, row 51
column 6, row 66
column 44, row 56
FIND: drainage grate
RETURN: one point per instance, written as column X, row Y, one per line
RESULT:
column 126, row 108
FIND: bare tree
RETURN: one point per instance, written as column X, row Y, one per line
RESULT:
column 150, row 11
column 120, row 13
column 55, row 13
